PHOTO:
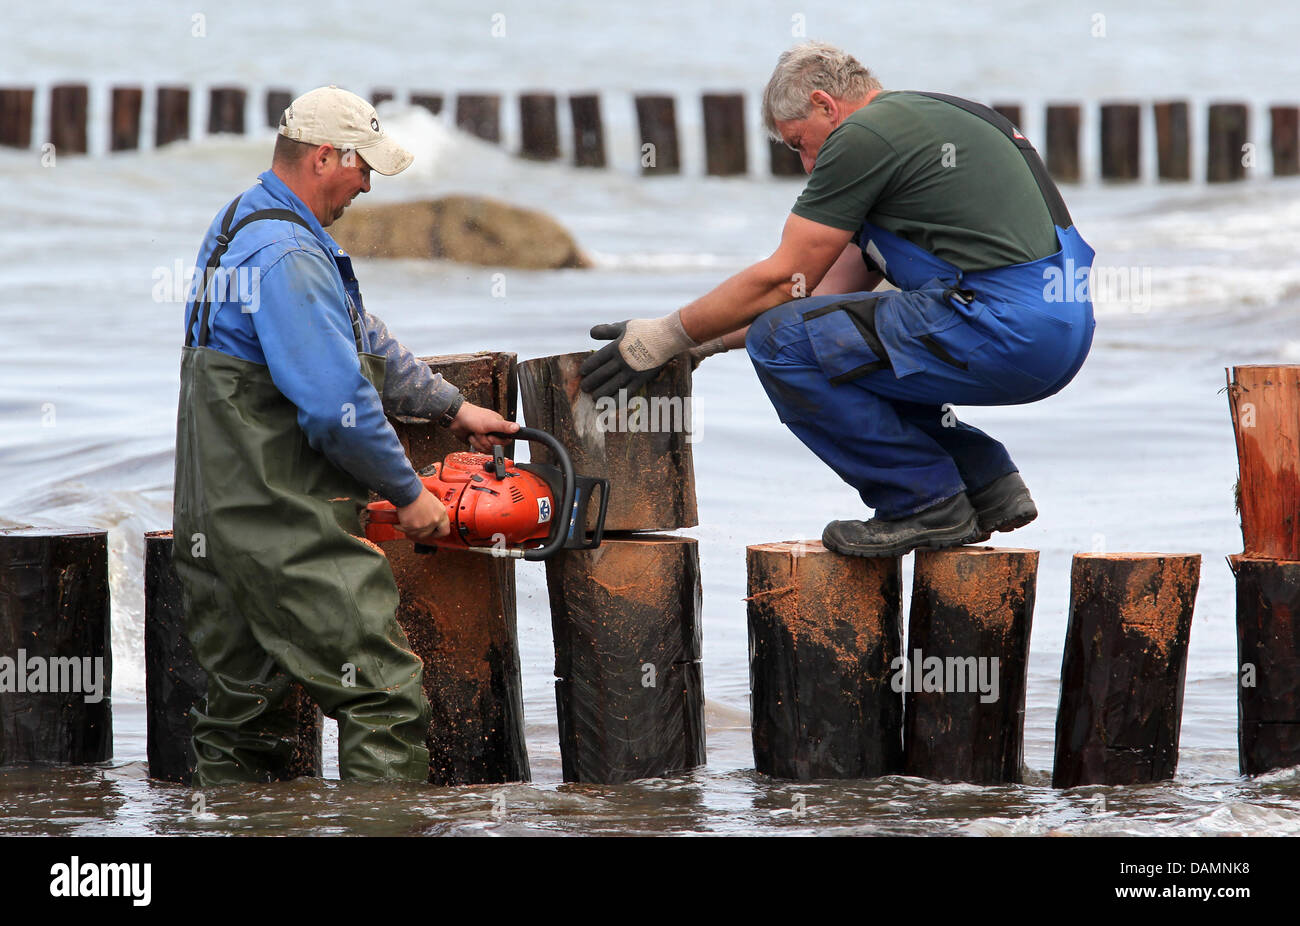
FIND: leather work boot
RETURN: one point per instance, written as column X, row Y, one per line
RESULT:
column 1003, row 505
column 950, row 523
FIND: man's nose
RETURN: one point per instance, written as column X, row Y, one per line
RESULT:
column 365, row 183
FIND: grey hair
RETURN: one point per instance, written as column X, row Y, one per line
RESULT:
column 807, row 67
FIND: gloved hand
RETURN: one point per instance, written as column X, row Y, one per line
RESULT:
column 707, row 349
column 637, row 349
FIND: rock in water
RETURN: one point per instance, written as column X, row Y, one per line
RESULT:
column 468, row 229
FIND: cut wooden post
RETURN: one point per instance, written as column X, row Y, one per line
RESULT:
column 382, row 95
column 656, row 118
column 629, row 688
column 16, row 116
column 640, row 443
column 124, row 129
column 173, row 122
column 226, row 110
column 784, row 161
column 539, row 126
column 1268, row 663
column 1285, row 140
column 1228, row 128
column 479, row 114
column 1265, row 405
column 1063, row 142
column 458, row 610
column 1010, row 110
column 724, row 134
column 56, row 659
column 825, row 632
column 277, row 101
column 1173, row 141
column 588, row 131
column 1124, row 666
column 430, row 101
column 68, row 104
column 1120, row 141
column 175, row 683
column 968, row 642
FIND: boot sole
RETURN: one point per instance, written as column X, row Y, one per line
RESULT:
column 932, row 540
column 1009, row 523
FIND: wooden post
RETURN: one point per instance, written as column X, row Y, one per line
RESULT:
column 1124, row 665
column 724, row 134
column 657, row 120
column 175, row 682
column 1228, row 131
column 458, row 610
column 1173, row 141
column 479, row 114
column 1265, row 405
column 124, row 129
column 68, row 104
column 784, row 162
column 1063, row 142
column 968, row 657
column 629, row 687
column 588, row 131
column 1268, row 652
column 173, row 123
column 226, row 110
column 1285, row 140
column 277, row 101
column 382, row 95
column 640, row 443
column 16, row 116
column 1120, row 141
column 825, row 633
column 1010, row 110
column 56, row 659
column 539, row 127
column 430, row 101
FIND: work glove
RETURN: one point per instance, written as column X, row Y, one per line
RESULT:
column 707, row 349
column 637, row 349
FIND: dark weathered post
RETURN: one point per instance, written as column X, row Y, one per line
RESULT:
column 1010, row 110
column 1173, row 141
column 629, row 688
column 1063, row 142
column 724, row 134
column 1285, row 140
column 784, row 161
column 382, row 95
column 657, row 118
column 1228, row 130
column 479, row 114
column 539, row 126
column 588, row 131
column 641, row 443
column 277, row 101
column 1120, row 141
column 1268, row 652
column 173, row 122
column 68, row 104
column 458, row 610
column 968, row 643
column 226, row 110
column 430, row 101
column 124, row 129
column 1124, row 666
column 16, row 116
column 825, row 632
column 56, row 659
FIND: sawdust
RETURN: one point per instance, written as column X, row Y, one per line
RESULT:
column 989, row 583
column 1156, row 599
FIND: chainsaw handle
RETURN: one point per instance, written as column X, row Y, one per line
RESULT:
column 559, row 525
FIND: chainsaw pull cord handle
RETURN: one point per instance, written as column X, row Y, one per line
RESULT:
column 559, row 526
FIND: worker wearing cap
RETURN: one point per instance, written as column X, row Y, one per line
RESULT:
column 946, row 200
column 282, row 432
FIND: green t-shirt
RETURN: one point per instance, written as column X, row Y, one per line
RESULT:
column 936, row 175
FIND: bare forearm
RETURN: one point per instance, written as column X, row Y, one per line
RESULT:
column 737, row 301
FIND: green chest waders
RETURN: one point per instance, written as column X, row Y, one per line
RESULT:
column 278, row 585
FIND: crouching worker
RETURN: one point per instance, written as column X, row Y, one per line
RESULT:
column 946, row 200
column 281, row 435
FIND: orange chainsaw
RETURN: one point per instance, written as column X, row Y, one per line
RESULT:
column 503, row 508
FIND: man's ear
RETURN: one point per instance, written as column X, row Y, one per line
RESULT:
column 822, row 100
column 320, row 160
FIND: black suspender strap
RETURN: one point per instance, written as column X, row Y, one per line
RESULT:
column 203, row 300
column 1051, row 195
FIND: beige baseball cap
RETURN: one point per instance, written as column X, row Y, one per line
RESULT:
column 330, row 116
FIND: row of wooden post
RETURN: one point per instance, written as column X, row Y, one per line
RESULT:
column 1229, row 149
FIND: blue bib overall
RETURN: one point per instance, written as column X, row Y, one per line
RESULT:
column 862, row 378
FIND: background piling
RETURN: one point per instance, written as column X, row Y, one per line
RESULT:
column 656, row 118
column 173, row 116
column 539, row 126
column 68, row 104
column 430, row 101
column 479, row 114
column 16, row 116
column 1173, row 141
column 1120, row 141
column 226, row 110
column 277, row 101
column 1227, row 134
column 1285, row 140
column 724, row 134
column 1063, row 143
column 588, row 130
column 124, row 130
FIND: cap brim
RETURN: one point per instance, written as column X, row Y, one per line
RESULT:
column 386, row 156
